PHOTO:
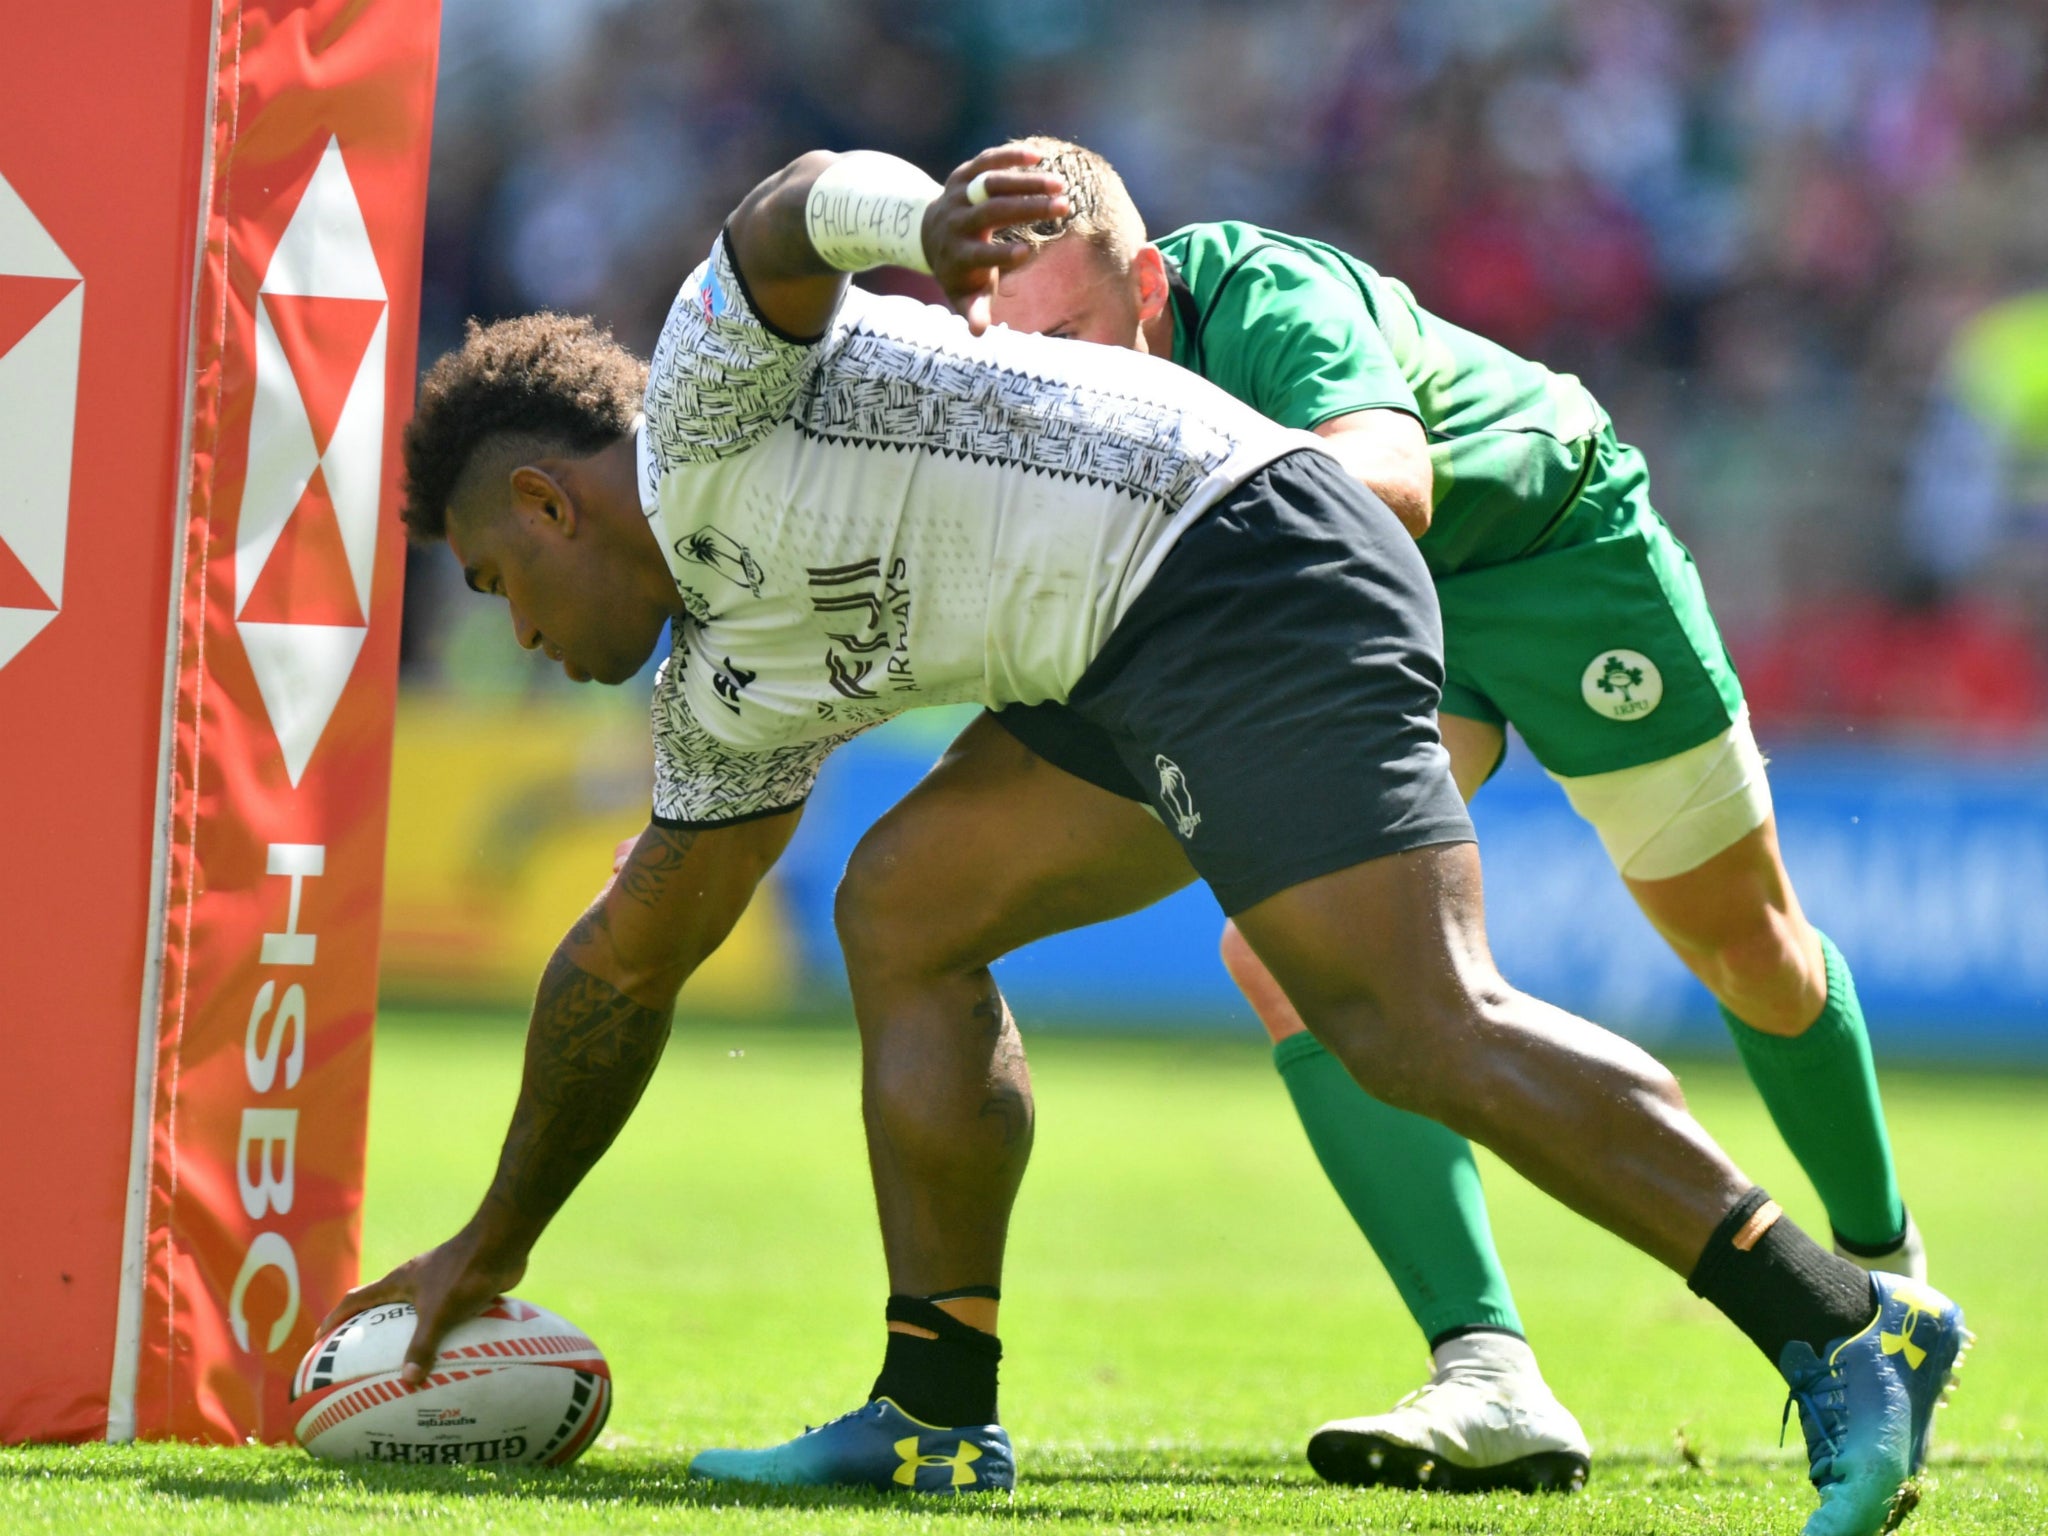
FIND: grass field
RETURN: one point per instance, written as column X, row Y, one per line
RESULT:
column 1185, row 1301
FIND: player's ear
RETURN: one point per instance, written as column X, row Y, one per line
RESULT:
column 538, row 497
column 1148, row 271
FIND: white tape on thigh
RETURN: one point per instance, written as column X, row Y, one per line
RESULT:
column 1671, row 816
column 866, row 209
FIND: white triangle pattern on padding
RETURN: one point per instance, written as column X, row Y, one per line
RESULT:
column 18, row 626
column 301, row 670
column 38, row 411
column 26, row 249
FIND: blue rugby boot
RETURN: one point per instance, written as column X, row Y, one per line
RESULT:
column 1866, row 1404
column 877, row 1445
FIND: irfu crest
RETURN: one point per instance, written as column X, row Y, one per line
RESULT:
column 1617, row 676
column 1622, row 685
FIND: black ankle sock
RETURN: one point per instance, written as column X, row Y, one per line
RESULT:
column 1865, row 1250
column 1779, row 1285
column 948, row 1381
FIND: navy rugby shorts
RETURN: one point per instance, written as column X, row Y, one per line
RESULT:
column 1272, row 693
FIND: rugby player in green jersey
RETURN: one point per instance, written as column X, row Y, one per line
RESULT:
column 1570, row 611
column 843, row 506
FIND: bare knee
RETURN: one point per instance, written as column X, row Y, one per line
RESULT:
column 1419, row 1053
column 1268, row 1001
column 1431, row 1056
column 884, row 914
column 860, row 909
column 1244, row 966
column 1736, row 923
column 1459, row 1054
column 1767, row 969
column 1760, row 952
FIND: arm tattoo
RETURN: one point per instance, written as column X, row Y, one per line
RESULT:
column 589, row 928
column 589, row 1055
column 655, row 858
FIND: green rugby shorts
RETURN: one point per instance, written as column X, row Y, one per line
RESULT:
column 1598, row 646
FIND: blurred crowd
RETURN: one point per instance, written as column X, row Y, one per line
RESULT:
column 1799, row 248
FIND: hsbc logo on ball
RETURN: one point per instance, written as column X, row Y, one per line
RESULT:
column 42, row 310
column 306, row 534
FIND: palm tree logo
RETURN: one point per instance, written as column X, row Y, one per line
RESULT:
column 1173, row 794
column 721, row 552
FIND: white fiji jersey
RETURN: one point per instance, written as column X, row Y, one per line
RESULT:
column 895, row 515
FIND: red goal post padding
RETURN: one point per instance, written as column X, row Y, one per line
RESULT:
column 210, row 227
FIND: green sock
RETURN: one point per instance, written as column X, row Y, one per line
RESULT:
column 1411, row 1186
column 1821, row 1089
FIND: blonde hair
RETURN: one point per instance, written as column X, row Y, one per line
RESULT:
column 1103, row 215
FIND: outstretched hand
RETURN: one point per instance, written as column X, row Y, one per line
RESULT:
column 447, row 1286
column 958, row 233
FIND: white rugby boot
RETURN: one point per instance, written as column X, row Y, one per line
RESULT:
column 1908, row 1259
column 1485, row 1420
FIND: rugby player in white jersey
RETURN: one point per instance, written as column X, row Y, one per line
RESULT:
column 1536, row 524
column 847, row 506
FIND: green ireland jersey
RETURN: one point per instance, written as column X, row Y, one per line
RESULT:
column 1305, row 333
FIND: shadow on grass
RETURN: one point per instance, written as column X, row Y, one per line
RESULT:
column 1144, row 1487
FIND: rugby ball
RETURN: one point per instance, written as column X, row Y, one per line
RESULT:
column 515, row 1385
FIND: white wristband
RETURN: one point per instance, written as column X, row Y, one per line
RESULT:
column 867, row 210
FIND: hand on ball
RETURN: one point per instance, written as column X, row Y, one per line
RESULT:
column 447, row 1285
